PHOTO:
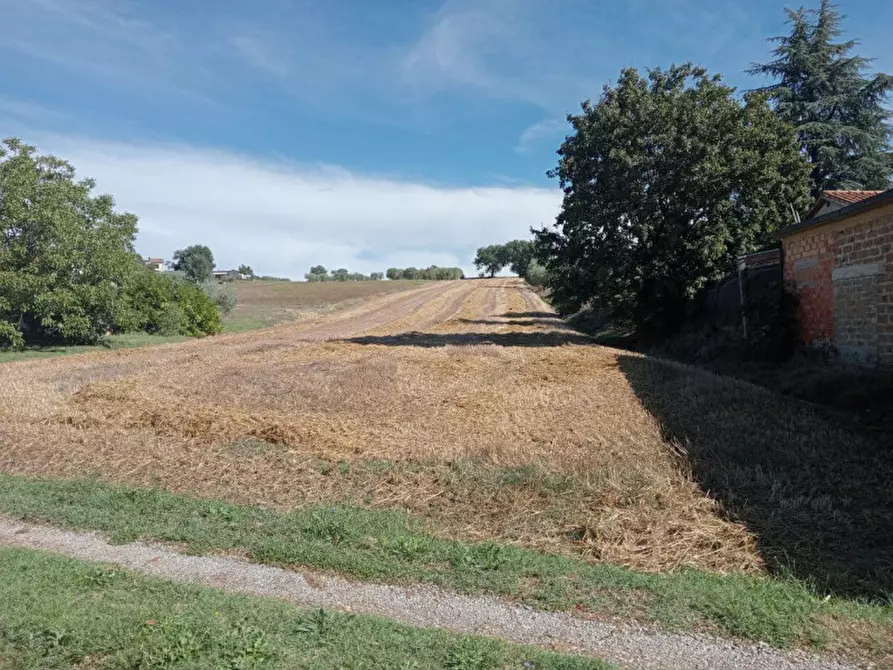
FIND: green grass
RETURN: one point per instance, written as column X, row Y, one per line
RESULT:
column 62, row 613
column 387, row 546
column 112, row 342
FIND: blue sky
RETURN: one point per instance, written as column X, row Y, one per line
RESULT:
column 361, row 133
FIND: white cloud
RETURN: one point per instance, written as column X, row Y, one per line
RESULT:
column 550, row 130
column 281, row 218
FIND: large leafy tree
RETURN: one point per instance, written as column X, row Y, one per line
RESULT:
column 666, row 180
column 196, row 262
column 827, row 93
column 65, row 254
column 491, row 259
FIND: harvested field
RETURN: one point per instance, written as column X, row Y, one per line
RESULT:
column 470, row 405
column 267, row 303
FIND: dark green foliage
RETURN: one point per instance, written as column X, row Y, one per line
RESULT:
column 246, row 271
column 837, row 107
column 196, row 262
column 64, row 253
column 166, row 304
column 666, row 180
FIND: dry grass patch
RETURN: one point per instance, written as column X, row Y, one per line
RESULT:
column 459, row 404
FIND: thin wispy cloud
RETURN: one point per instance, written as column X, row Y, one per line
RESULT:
column 547, row 131
column 257, row 52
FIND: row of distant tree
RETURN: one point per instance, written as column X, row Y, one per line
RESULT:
column 432, row 273
column 319, row 273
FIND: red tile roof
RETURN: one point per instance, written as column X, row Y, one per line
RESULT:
column 850, row 197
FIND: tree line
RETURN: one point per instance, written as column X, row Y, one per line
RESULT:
column 430, row 273
column 670, row 175
column 319, row 273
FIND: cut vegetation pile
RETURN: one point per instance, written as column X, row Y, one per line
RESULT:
column 468, row 405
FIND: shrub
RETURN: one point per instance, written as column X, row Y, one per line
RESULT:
column 201, row 316
column 166, row 304
column 223, row 296
column 536, row 274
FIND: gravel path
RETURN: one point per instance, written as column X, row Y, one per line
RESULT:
column 424, row 606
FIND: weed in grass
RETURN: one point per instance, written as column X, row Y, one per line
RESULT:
column 412, row 548
column 101, row 577
column 469, row 654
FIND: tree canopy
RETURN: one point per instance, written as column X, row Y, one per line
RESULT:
column 837, row 107
column 666, row 180
column 517, row 255
column 246, row 270
column 196, row 262
column 65, row 254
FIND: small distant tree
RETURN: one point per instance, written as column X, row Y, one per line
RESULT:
column 341, row 274
column 410, row 273
column 394, row 273
column 196, row 262
column 246, row 271
column 317, row 273
column 376, row 276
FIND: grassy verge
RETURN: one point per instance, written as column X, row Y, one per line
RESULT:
column 387, row 546
column 126, row 341
column 62, row 613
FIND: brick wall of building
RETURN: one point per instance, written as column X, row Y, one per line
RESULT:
column 808, row 262
column 843, row 274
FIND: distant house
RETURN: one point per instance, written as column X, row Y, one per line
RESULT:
column 222, row 275
column 840, row 263
column 156, row 264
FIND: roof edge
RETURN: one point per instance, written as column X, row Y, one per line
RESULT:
column 884, row 198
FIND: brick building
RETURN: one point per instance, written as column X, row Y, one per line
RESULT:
column 840, row 264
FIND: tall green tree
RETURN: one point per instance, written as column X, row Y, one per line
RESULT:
column 491, row 259
column 666, row 180
column 65, row 254
column 519, row 254
column 246, row 270
column 196, row 262
column 836, row 105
